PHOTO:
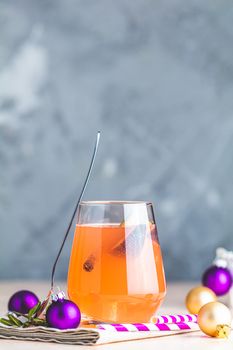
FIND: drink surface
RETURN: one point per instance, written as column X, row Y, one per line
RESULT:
column 116, row 272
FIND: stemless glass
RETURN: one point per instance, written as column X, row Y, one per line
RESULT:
column 116, row 270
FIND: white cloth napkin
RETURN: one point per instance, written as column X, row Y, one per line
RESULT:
column 78, row 336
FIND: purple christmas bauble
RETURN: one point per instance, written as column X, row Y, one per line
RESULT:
column 218, row 279
column 22, row 301
column 63, row 314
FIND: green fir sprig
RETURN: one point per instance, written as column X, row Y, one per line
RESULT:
column 31, row 319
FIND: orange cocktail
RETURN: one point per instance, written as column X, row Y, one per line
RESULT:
column 116, row 269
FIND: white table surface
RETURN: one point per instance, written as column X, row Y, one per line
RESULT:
column 174, row 303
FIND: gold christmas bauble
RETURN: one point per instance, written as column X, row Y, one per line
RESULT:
column 214, row 319
column 197, row 297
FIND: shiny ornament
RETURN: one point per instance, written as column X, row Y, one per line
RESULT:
column 214, row 319
column 218, row 279
column 63, row 313
column 197, row 297
column 22, row 301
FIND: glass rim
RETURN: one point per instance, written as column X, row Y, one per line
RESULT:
column 114, row 202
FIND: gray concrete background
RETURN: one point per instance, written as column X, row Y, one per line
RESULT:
column 157, row 78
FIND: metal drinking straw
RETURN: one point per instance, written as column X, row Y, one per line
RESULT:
column 76, row 207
